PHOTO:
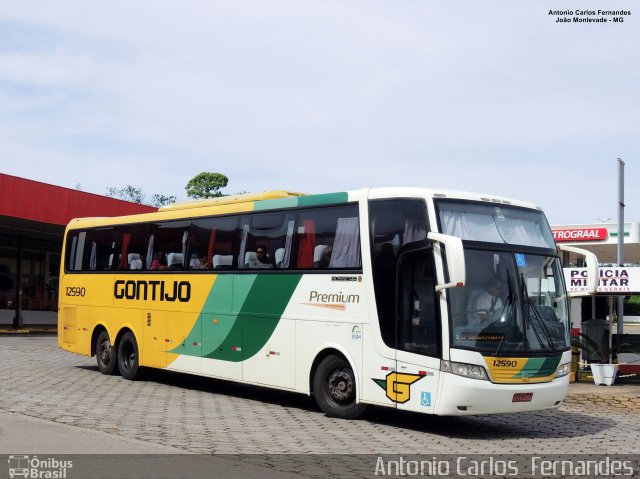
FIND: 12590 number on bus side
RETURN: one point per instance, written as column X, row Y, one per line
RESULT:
column 75, row 291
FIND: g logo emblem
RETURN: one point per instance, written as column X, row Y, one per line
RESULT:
column 398, row 386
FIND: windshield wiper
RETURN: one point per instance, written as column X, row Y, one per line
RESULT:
column 537, row 315
column 511, row 299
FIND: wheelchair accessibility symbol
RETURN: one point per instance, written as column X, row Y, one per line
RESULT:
column 425, row 398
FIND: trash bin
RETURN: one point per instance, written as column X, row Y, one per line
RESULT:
column 598, row 331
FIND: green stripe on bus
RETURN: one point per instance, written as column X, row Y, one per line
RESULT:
column 224, row 334
column 325, row 199
column 300, row 201
column 291, row 202
column 217, row 319
column 270, row 295
column 539, row 367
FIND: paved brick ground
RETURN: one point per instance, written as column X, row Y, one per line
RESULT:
column 208, row 416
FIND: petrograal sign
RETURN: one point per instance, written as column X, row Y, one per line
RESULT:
column 580, row 234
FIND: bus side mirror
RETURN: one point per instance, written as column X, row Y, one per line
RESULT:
column 455, row 259
column 593, row 273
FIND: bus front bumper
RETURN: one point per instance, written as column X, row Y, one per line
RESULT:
column 463, row 396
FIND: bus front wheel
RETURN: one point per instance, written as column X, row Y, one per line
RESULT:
column 128, row 356
column 334, row 388
column 106, row 355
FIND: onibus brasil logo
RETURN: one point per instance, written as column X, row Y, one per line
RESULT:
column 32, row 467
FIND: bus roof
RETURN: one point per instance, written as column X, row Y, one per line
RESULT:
column 276, row 199
column 220, row 206
column 226, row 200
column 441, row 193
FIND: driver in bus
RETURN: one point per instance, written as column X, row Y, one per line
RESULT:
column 482, row 303
column 489, row 301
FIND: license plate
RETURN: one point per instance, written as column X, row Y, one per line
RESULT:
column 522, row 397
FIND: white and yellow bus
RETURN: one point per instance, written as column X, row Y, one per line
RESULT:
column 438, row 302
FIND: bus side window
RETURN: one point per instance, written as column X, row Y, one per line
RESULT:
column 102, row 245
column 213, row 240
column 166, row 245
column 272, row 232
column 89, row 250
column 328, row 238
column 131, row 240
column 75, row 250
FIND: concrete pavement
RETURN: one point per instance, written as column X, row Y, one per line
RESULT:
column 201, row 415
column 20, row 434
column 587, row 389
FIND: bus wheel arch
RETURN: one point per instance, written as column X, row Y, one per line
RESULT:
column 128, row 354
column 104, row 350
column 333, row 383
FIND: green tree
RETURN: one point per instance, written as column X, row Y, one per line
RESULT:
column 128, row 193
column 162, row 200
column 206, row 185
column 136, row 195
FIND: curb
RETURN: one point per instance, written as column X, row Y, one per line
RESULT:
column 29, row 330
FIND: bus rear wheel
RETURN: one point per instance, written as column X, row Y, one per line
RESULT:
column 106, row 355
column 334, row 388
column 128, row 356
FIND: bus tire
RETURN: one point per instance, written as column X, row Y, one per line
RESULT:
column 106, row 355
column 334, row 389
column 128, row 356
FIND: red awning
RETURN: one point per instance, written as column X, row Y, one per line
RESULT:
column 32, row 200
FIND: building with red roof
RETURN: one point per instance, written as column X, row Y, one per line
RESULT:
column 33, row 217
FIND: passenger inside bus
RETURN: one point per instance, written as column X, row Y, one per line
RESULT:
column 261, row 260
column 194, row 262
column 325, row 258
column 159, row 261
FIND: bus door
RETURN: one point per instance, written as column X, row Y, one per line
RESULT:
column 418, row 332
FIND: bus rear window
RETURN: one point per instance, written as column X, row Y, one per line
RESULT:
column 90, row 250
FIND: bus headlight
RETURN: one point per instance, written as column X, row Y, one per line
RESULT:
column 472, row 371
column 563, row 370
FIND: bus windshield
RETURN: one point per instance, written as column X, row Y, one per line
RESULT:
column 490, row 223
column 512, row 303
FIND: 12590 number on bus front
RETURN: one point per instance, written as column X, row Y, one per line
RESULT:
column 504, row 363
column 75, row 291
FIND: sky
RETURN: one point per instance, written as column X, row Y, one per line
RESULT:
column 326, row 95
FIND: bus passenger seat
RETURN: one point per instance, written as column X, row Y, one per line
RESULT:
column 317, row 254
column 249, row 256
column 279, row 255
column 134, row 261
column 222, row 261
column 174, row 261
